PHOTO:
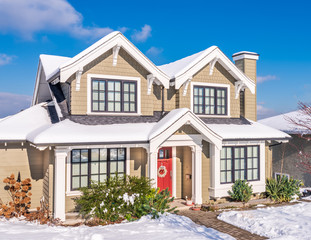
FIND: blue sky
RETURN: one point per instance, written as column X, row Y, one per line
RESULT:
column 165, row 31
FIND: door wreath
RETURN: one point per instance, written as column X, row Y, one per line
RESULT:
column 162, row 171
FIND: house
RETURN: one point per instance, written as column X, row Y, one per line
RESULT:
column 285, row 156
column 189, row 125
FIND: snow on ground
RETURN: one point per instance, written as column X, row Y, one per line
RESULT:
column 167, row 227
column 288, row 222
column 305, row 190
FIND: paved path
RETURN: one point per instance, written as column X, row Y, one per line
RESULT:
column 209, row 219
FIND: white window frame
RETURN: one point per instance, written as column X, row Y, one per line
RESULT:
column 281, row 174
column 113, row 77
column 227, row 86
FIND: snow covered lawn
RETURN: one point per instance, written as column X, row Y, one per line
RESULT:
column 288, row 222
column 167, row 227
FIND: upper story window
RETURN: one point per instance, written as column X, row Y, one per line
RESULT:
column 210, row 100
column 239, row 163
column 114, row 96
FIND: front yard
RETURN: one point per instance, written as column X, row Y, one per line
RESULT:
column 286, row 222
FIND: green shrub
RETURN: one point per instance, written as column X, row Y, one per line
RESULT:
column 122, row 197
column 282, row 189
column 241, row 191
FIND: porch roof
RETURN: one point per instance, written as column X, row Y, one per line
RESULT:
column 249, row 131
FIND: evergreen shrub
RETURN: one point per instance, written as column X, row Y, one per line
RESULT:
column 241, row 191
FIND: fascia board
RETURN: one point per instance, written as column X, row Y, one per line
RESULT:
column 80, row 61
column 224, row 61
column 195, row 122
column 35, row 93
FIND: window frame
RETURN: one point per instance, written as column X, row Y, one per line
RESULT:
column 129, row 79
column 89, row 163
column 245, row 169
column 225, row 87
column 106, row 101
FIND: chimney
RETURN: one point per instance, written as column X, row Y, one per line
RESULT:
column 247, row 63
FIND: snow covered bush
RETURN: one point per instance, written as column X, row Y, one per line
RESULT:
column 241, row 191
column 282, row 189
column 122, row 197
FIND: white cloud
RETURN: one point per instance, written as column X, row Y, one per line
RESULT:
column 141, row 36
column 261, row 79
column 154, row 51
column 5, row 59
column 264, row 112
column 11, row 103
column 25, row 18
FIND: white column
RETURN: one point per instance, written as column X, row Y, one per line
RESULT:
column 59, row 183
column 198, row 175
column 153, row 165
column 128, row 161
column 174, row 171
column 215, row 170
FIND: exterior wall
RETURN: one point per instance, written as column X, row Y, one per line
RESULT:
column 48, row 171
column 205, row 171
column 187, row 170
column 29, row 162
column 268, row 164
column 289, row 154
column 248, row 66
column 138, row 162
column 126, row 66
column 220, row 76
column 179, row 171
column 186, row 129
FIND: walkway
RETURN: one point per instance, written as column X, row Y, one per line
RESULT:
column 209, row 219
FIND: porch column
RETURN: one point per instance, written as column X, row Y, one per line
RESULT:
column 197, row 178
column 153, row 165
column 59, row 183
column 173, row 172
column 215, row 170
column 128, row 161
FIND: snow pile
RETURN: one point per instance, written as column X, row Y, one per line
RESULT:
column 305, row 192
column 167, row 227
column 288, row 222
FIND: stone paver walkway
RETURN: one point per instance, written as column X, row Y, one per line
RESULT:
column 209, row 219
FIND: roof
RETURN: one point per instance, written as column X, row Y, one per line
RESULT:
column 179, row 71
column 283, row 123
column 253, row 130
column 19, row 126
column 51, row 63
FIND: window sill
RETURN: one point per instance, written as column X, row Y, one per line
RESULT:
column 113, row 114
column 212, row 116
column 73, row 193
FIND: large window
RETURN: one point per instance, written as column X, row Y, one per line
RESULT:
column 95, row 165
column 114, row 96
column 210, row 100
column 239, row 163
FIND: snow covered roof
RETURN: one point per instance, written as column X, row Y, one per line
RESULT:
column 283, row 123
column 17, row 127
column 174, row 68
column 51, row 64
column 254, row 130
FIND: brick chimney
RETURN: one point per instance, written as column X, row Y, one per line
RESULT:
column 247, row 63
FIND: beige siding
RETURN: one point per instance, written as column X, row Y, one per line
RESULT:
column 205, row 171
column 186, row 129
column 221, row 76
column 179, row 172
column 187, row 170
column 248, row 66
column 29, row 162
column 126, row 66
column 138, row 162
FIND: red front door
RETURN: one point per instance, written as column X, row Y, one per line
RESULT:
column 165, row 168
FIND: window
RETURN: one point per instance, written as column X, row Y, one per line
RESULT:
column 239, row 163
column 277, row 175
column 210, row 100
column 95, row 165
column 114, row 96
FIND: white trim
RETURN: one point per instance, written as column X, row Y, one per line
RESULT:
column 114, row 77
column 115, row 53
column 212, row 85
column 174, row 171
column 104, row 45
column 244, row 54
column 281, row 174
column 128, row 161
column 35, row 94
column 218, row 190
column 206, row 58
